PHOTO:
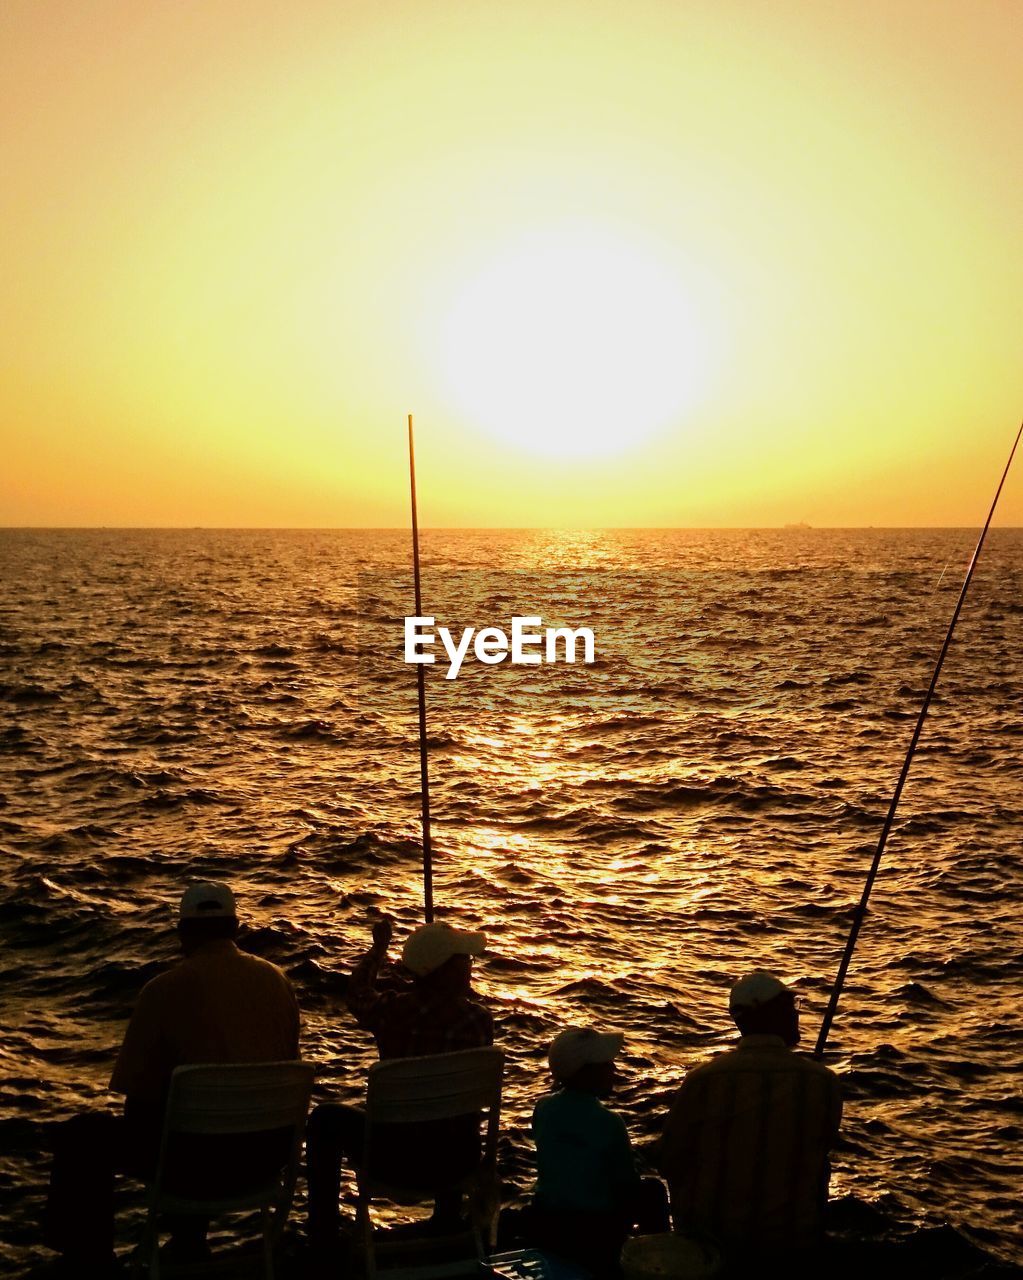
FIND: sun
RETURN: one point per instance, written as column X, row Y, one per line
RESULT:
column 574, row 341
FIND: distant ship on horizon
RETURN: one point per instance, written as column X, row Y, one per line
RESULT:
column 799, row 524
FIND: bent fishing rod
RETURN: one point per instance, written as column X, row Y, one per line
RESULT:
column 861, row 909
column 424, row 761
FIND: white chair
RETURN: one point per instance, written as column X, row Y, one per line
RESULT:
column 412, row 1091
column 239, row 1102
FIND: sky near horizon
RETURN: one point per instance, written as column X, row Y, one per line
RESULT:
column 665, row 263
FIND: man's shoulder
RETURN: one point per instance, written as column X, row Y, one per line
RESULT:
column 724, row 1061
column 258, row 962
column 226, row 965
column 264, row 971
column 191, row 969
column 483, row 1023
column 476, row 1009
column 804, row 1062
column 468, row 1011
column 762, row 1058
column 164, row 984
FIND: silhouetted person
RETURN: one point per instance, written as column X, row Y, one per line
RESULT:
column 436, row 1014
column 745, row 1148
column 589, row 1193
column 217, row 1005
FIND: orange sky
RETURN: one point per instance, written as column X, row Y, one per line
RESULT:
column 649, row 264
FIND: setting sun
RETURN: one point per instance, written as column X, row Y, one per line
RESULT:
column 670, row 265
column 574, row 341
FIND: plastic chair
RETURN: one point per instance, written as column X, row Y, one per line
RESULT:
column 412, row 1091
column 232, row 1137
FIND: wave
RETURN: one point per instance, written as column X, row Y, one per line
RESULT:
column 28, row 693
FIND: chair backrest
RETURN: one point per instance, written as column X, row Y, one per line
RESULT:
column 438, row 1087
column 233, row 1129
column 238, row 1098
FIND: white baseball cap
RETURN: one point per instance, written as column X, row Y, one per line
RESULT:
column 207, row 900
column 578, row 1047
column 756, row 989
column 432, row 945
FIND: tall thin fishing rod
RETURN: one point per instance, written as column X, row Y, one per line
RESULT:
column 424, row 759
column 861, row 910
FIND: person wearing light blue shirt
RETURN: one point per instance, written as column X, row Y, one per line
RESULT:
column 588, row 1192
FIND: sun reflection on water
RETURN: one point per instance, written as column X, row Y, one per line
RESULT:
column 629, row 836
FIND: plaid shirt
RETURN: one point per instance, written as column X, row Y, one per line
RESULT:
column 412, row 1023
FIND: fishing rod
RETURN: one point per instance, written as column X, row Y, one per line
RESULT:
column 861, row 909
column 424, row 760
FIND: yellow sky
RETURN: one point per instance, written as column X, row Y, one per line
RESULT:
column 242, row 239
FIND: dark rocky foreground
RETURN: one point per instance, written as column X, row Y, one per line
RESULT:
column 863, row 1241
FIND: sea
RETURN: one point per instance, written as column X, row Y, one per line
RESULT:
column 632, row 834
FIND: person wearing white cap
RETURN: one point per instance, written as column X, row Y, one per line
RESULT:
column 217, row 1004
column 745, row 1147
column 436, row 1013
column 588, row 1192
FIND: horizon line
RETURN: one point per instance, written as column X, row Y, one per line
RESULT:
column 793, row 527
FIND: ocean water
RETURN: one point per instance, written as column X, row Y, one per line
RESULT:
column 632, row 835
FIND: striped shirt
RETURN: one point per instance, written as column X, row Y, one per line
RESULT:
column 745, row 1148
column 416, row 1021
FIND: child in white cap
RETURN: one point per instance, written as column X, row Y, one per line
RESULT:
column 587, row 1188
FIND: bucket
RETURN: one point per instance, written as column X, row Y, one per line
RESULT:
column 669, row 1257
